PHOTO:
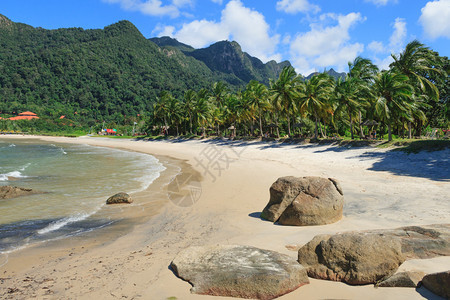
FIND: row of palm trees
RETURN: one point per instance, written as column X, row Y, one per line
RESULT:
column 397, row 96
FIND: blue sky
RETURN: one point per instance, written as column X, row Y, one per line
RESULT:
column 311, row 34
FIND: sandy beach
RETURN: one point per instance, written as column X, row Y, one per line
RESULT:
column 217, row 198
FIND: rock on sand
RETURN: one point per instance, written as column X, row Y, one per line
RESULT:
column 239, row 271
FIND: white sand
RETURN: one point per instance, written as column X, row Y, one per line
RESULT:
column 382, row 189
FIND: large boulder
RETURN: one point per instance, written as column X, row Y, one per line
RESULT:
column 7, row 192
column 374, row 255
column 239, row 271
column 119, row 198
column 351, row 257
column 302, row 201
column 438, row 283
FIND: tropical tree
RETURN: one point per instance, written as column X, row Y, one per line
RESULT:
column 363, row 71
column 393, row 97
column 346, row 95
column 314, row 97
column 422, row 67
column 257, row 94
column 202, row 110
column 190, row 98
column 284, row 92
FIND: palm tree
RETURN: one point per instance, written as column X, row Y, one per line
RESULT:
column 284, row 91
column 161, row 108
column 202, row 110
column 346, row 95
column 190, row 98
column 364, row 72
column 393, row 97
column 314, row 98
column 257, row 94
column 418, row 63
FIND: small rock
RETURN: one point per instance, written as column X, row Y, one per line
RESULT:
column 438, row 283
column 7, row 192
column 239, row 271
column 119, row 198
column 403, row 279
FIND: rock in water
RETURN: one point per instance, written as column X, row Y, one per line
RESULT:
column 302, row 201
column 239, row 271
column 438, row 283
column 7, row 192
column 119, row 198
column 403, row 279
column 352, row 257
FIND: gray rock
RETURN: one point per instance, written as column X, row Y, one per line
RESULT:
column 403, row 279
column 302, row 201
column 119, row 198
column 372, row 256
column 239, row 271
column 438, row 283
column 7, row 192
column 351, row 257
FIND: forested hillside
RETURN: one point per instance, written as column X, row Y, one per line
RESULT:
column 101, row 74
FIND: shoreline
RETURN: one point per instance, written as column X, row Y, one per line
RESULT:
column 226, row 212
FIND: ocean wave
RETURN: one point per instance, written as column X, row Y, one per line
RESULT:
column 14, row 174
column 63, row 222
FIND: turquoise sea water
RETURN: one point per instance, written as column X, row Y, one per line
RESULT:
column 76, row 181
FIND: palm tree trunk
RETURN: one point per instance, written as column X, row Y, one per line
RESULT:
column 351, row 124
column 409, row 130
column 389, row 132
column 190, row 124
column 316, row 132
column 361, row 131
column 321, row 129
column 260, row 124
column 289, row 124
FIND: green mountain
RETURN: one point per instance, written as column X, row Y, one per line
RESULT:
column 228, row 58
column 99, row 73
column 110, row 73
column 330, row 72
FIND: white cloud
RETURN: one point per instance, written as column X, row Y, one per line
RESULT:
column 381, row 2
column 325, row 46
column 296, row 6
column 397, row 39
column 152, row 7
column 376, row 47
column 435, row 19
column 244, row 25
column 217, row 1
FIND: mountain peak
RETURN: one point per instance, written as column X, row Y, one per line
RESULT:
column 5, row 22
column 166, row 41
column 121, row 27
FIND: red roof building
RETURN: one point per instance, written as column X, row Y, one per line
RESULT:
column 27, row 115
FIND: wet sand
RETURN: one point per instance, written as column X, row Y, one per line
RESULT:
column 382, row 189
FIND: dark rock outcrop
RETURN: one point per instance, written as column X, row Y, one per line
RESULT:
column 371, row 256
column 239, row 271
column 303, row 201
column 438, row 283
column 119, row 198
column 7, row 192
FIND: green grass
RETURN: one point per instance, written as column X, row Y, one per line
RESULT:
column 415, row 146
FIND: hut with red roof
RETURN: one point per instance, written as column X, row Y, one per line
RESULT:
column 27, row 115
